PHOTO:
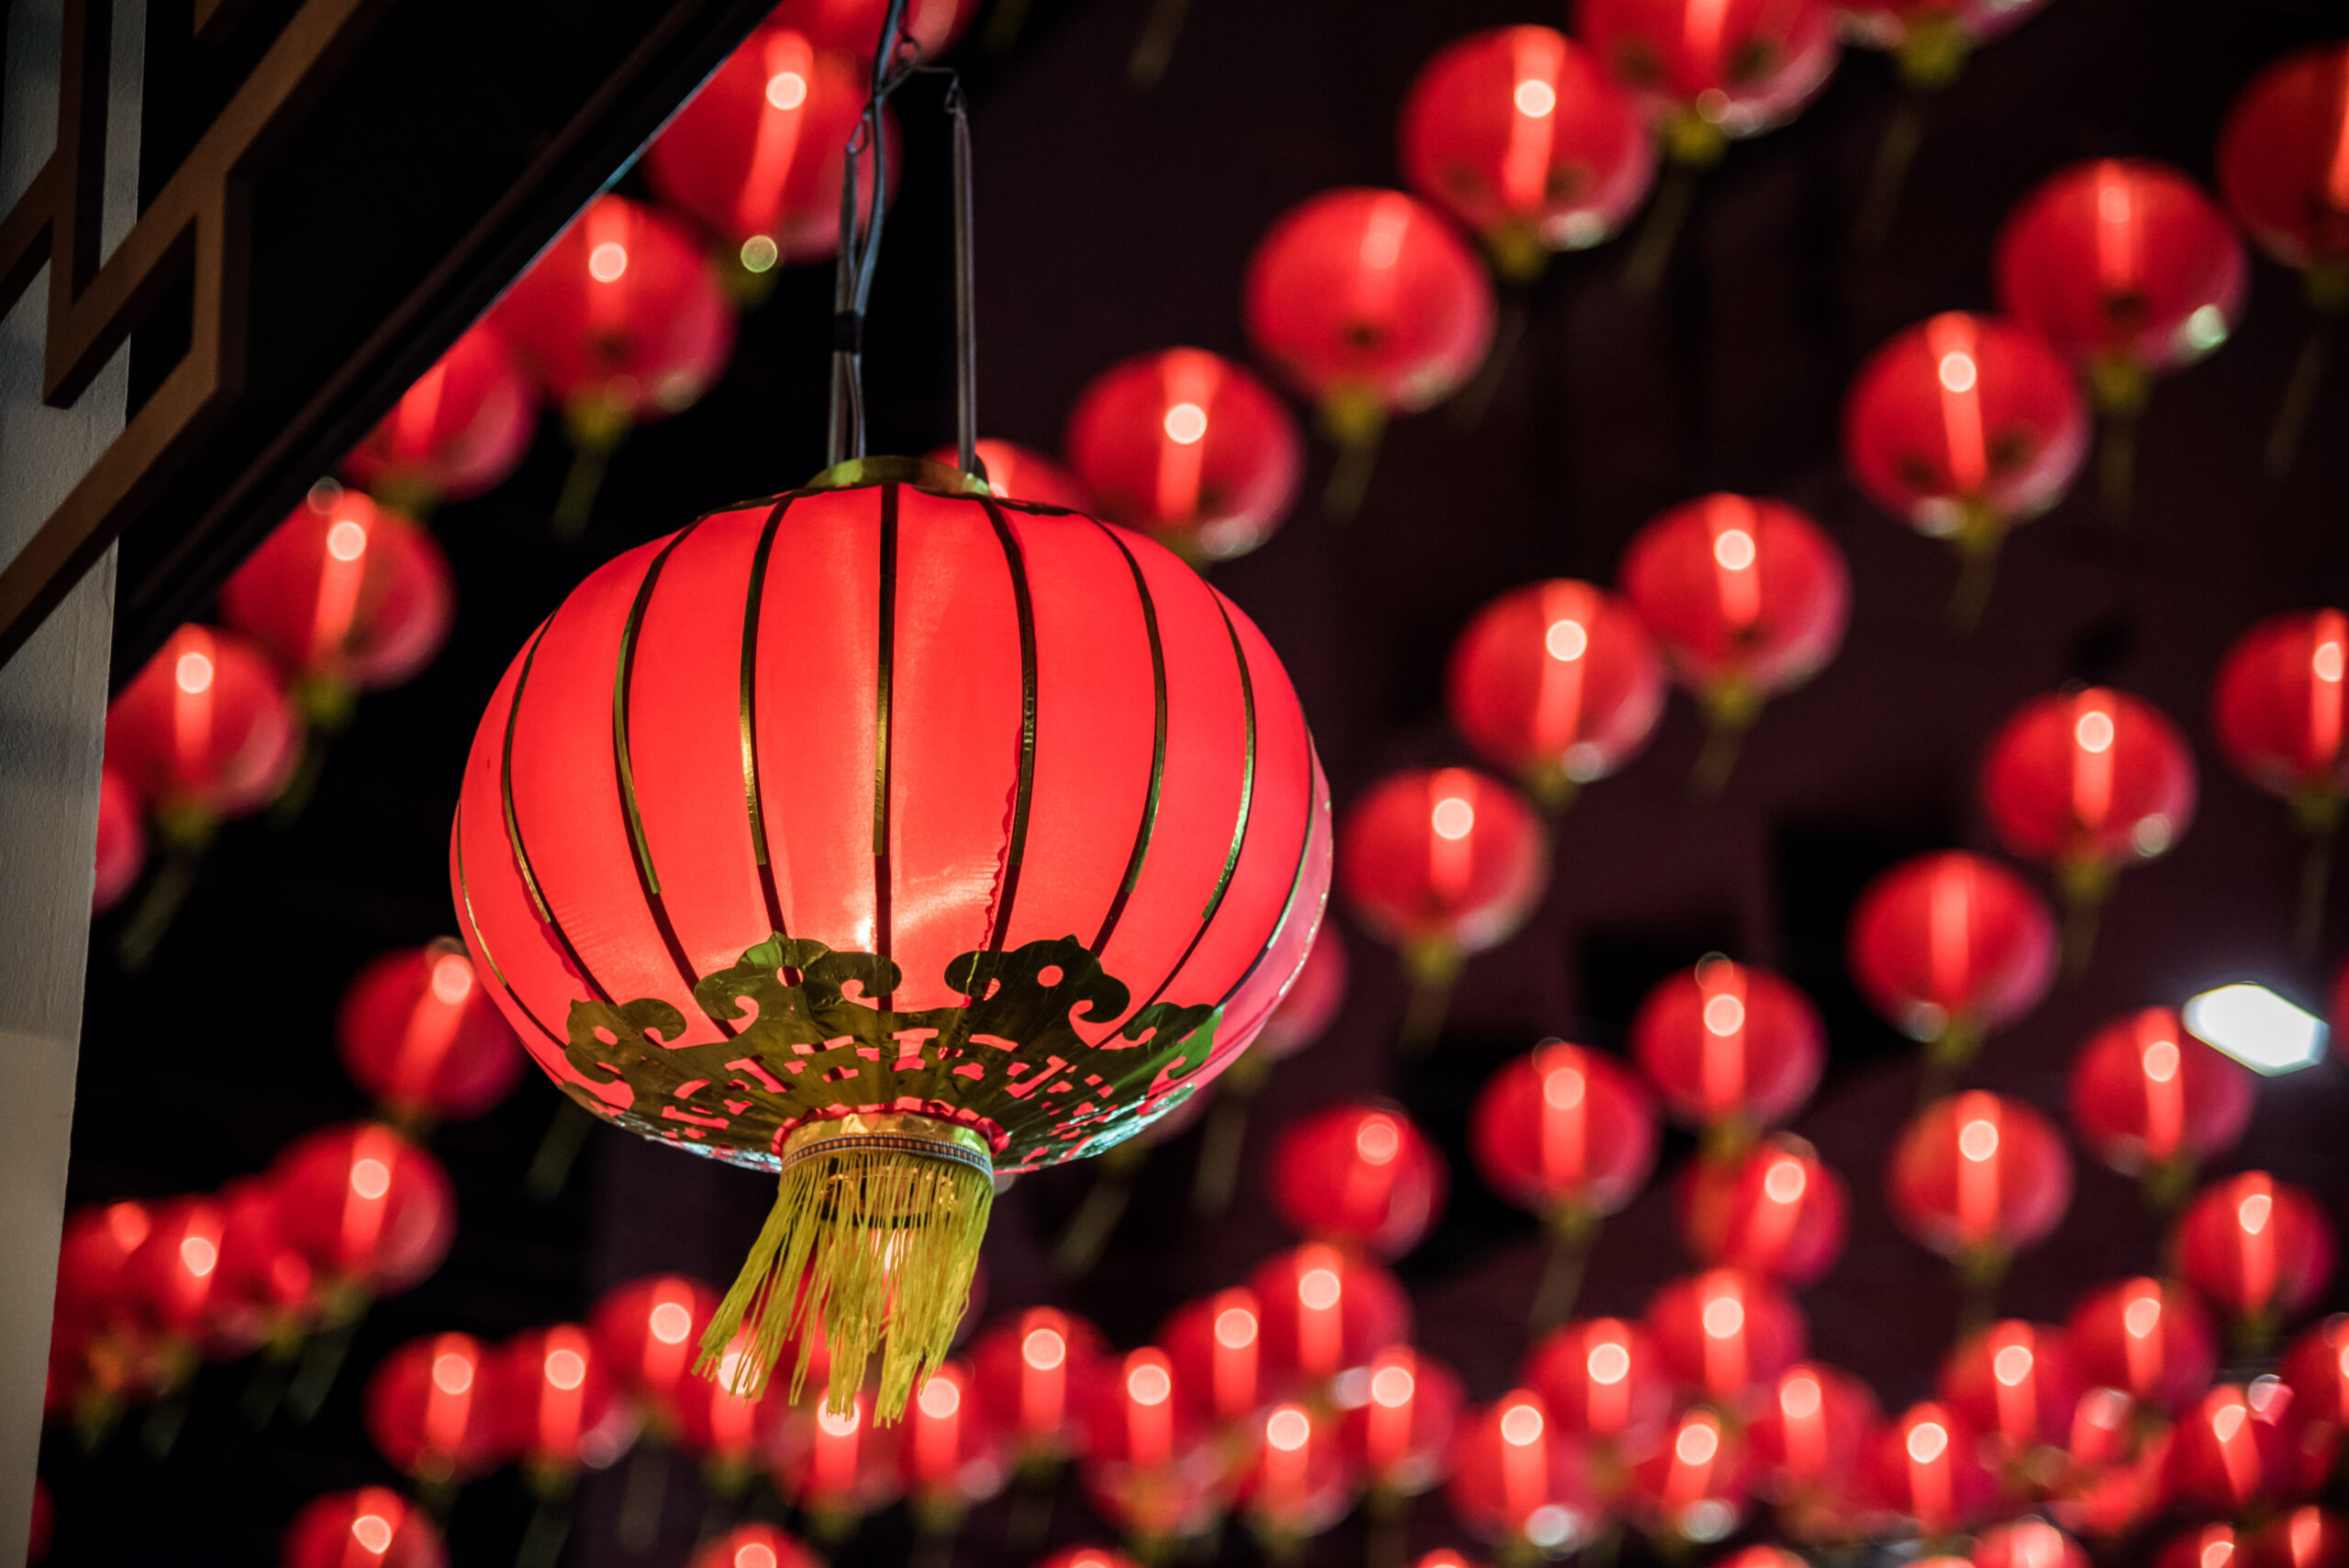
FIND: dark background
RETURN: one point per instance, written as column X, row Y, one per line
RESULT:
column 1113, row 221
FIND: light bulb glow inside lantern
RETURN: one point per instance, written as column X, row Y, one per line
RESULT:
column 2258, row 1028
column 786, row 90
column 1958, row 370
column 371, row 1178
column 193, row 674
column 1187, row 424
column 1377, row 1140
column 670, row 1323
column 1566, row 640
column 1453, row 818
column 1521, row 1426
column 606, row 262
column 1733, row 549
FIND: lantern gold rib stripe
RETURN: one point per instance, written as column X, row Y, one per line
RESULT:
column 1023, row 794
column 1157, row 744
column 753, row 601
column 883, row 689
column 514, row 820
column 1296, row 876
column 466, row 897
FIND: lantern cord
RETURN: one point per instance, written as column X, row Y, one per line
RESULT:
column 1896, row 154
column 1573, row 1234
column 2292, row 412
column 966, row 302
column 1154, row 50
column 1660, row 233
column 2316, row 875
column 861, row 221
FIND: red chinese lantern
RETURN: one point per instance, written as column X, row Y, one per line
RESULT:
column 346, row 595
column 1926, row 1468
column 417, row 1030
column 2316, row 1369
column 1748, row 599
column 1708, row 70
column 371, row 1212
column 754, row 1545
column 1726, row 1333
column 839, row 1465
column 1729, row 1048
column 1565, row 1133
column 1216, row 1347
column 2027, row 1543
column 373, row 1527
column 1022, row 473
column 2017, row 1382
column 261, row 1289
column 1812, row 1438
column 1519, row 1481
column 1947, row 947
column 1190, row 449
column 732, row 1436
column 1036, row 1372
column 1151, row 1466
column 1604, row 1378
column 1440, row 864
column 758, row 154
column 2152, row 1101
column 2128, row 269
column 1137, row 710
column 2307, row 1536
column 2278, row 708
column 1777, row 1210
column 122, row 841
column 951, row 1453
column 459, row 431
column 560, row 1410
column 1763, row 1557
column 1930, row 39
column 2113, row 1477
column 1963, row 427
column 1088, row 1557
column 1693, row 1488
column 432, row 1413
column 1359, row 1174
column 930, row 26
column 2281, row 171
column 1519, row 134
column 622, row 321
column 1297, row 1482
column 101, row 1355
column 168, row 1278
column 648, row 1333
column 2234, row 1448
column 2212, row 1546
column 203, row 734
column 2257, row 1248
column 1368, row 304
column 2087, row 782
column 1557, row 683
column 1325, row 1312
column 1977, row 1177
column 2150, row 1340
column 1399, row 1433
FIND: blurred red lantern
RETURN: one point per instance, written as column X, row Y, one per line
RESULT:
column 1519, row 1481
column 1518, row 133
column 952, row 1451
column 172, row 1276
column 1748, row 599
column 1556, row 683
column 2258, row 1249
column 1775, row 1209
column 1151, row 1467
column 2125, row 266
column 753, row 1545
column 2276, row 706
column 2316, row 1369
column 262, row 1292
column 1765, row 1557
column 2235, row 1449
column 345, row 594
column 1930, row 39
column 2212, row 1546
column 1359, row 1174
column 373, row 1527
column 1926, row 1467
column 1963, row 427
column 930, row 26
column 1565, row 1133
column 1440, row 864
column 1368, row 304
column 1188, row 447
column 1054, row 634
column 2150, row 1340
column 1022, row 473
column 432, row 1412
column 1036, row 1372
column 371, row 1212
column 2112, row 1481
column 837, row 1466
column 1728, row 1047
column 1949, row 946
column 1325, row 1312
column 1088, row 1557
column 1397, row 1426
column 2307, row 1536
column 1726, row 1333
column 2017, row 1382
column 2087, row 782
column 731, row 1435
column 459, row 430
column 2152, row 1101
column 2280, row 167
column 1604, row 1378
column 1297, row 1481
column 2027, row 1543
column 647, row 1333
column 1693, row 1488
column 122, row 841
column 758, row 154
column 417, row 1030
column 1708, row 70
column 1215, row 1345
column 1810, row 1438
column 559, row 1407
column 1977, row 1177
column 203, row 734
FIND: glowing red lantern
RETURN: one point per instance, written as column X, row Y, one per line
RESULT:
column 951, row 1453
column 2027, row 1543
column 648, row 1332
column 1564, row 1132
column 930, row 26
column 1367, row 303
column 1151, row 1466
column 1358, row 1174
column 1748, row 599
column 373, row 1527
column 559, row 1407
column 729, row 1434
column 2281, row 171
column 2018, row 1382
column 2087, row 782
column 754, row 1545
column 1189, row 447
column 1926, row 1468
column 2233, row 1449
column 417, row 1030
column 2278, row 708
column 1769, row 1557
column 370, row 1211
column 2125, row 266
column 839, row 1465
column 1604, row 1378
column 261, row 1289
column 1977, row 1177
column 1518, row 133
column 1516, row 1478
column 1728, row 1047
column 1949, row 946
column 1708, row 70
column 2212, row 1546
column 1693, row 1488
column 1138, row 710
column 1930, row 39
column 1036, row 1372
column 2257, row 1248
column 345, row 594
column 1812, row 1438
column 459, row 430
column 1088, row 1557
column 431, row 1414
column 2112, row 1481
column 2316, row 1369
column 1216, row 1347
column 1297, row 1482
column 1022, row 473
column 1726, row 1333
column 1558, row 684
column 2150, row 1100
column 1775, row 1209
column 2307, row 1536
column 1325, row 1312
column 203, row 734
column 168, row 1278
column 122, row 841
column 1399, row 1432
column 2150, row 1340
